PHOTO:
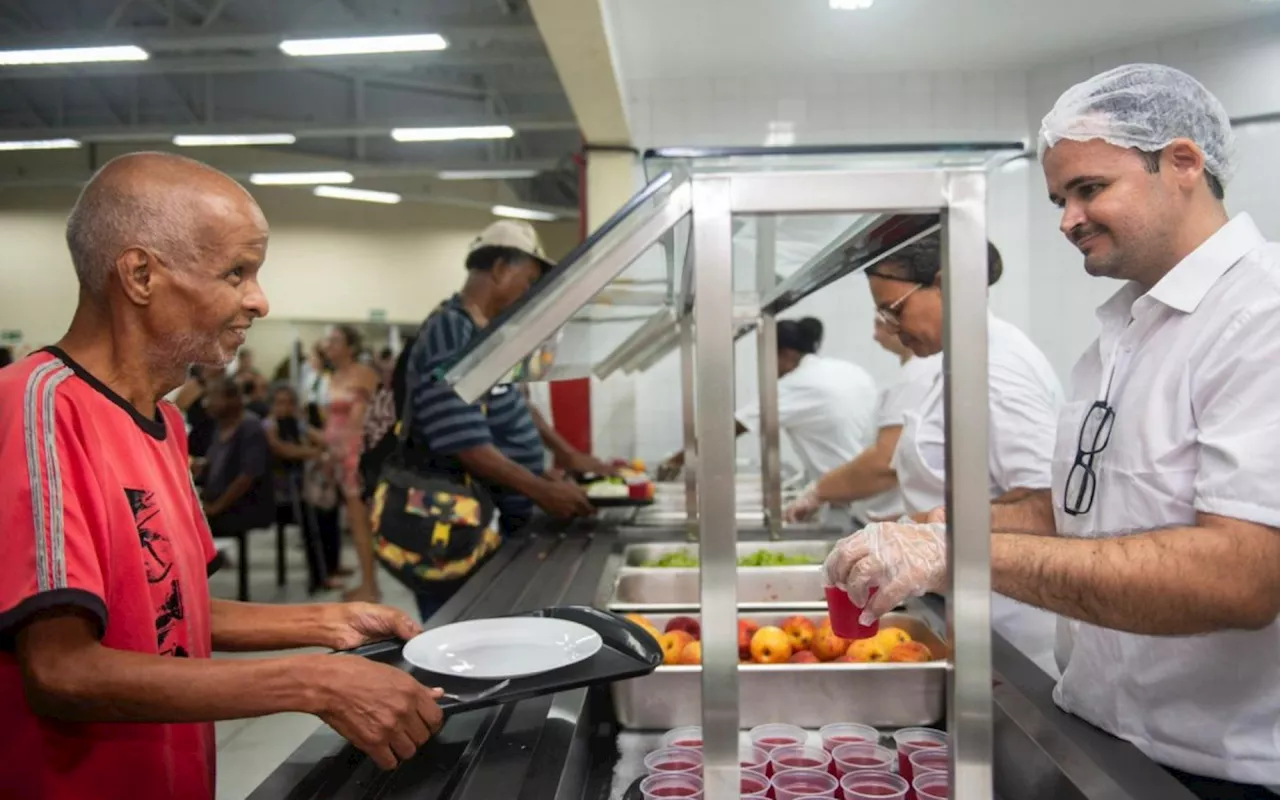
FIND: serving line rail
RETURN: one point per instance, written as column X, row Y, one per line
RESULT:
column 566, row 746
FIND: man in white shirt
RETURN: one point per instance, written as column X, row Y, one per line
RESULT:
column 1161, row 537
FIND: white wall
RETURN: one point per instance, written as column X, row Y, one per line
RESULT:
column 1238, row 65
column 328, row 260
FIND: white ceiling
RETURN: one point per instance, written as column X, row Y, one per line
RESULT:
column 719, row 38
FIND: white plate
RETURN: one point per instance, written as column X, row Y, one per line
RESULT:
column 509, row 647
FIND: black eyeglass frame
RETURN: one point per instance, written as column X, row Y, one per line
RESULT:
column 1085, row 456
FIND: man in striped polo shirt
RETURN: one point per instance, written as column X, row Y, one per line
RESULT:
column 500, row 439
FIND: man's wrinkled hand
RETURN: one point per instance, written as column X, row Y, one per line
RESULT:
column 354, row 624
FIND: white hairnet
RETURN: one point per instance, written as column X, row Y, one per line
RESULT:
column 1144, row 106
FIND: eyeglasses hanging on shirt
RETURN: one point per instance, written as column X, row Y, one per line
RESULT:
column 1095, row 435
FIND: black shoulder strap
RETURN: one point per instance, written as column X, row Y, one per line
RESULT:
column 406, row 409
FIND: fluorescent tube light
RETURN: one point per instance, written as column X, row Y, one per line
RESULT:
column 232, row 139
column 851, row 5
column 362, row 45
column 299, row 178
column 452, row 134
column 363, row 195
column 72, row 55
column 485, row 174
column 524, row 213
column 41, row 144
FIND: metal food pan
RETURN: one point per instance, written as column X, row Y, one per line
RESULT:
column 673, row 589
column 637, row 554
column 808, row 695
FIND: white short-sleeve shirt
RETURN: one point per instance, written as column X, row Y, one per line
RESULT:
column 905, row 394
column 827, row 407
column 1192, row 371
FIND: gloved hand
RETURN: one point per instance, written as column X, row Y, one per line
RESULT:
column 804, row 506
column 903, row 560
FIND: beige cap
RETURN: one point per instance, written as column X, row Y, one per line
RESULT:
column 515, row 234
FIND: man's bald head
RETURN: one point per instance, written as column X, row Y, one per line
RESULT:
column 165, row 203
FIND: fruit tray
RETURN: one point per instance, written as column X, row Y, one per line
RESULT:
column 628, row 652
column 885, row 695
column 655, row 589
column 640, row 555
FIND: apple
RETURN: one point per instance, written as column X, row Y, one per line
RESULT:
column 864, row 650
column 687, row 624
column 770, row 645
column 746, row 629
column 673, row 644
column 842, row 660
column 910, row 651
column 892, row 636
column 803, row 657
column 692, row 653
column 800, row 631
column 829, row 647
column 826, row 623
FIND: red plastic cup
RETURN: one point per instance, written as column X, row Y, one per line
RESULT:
column 911, row 740
column 673, row 759
column 754, row 758
column 931, row 759
column 798, row 756
column 932, row 786
column 838, row 733
column 753, row 785
column 867, row 785
column 795, row 784
column 659, row 787
column 688, row 737
column 776, row 734
column 844, row 615
column 861, row 757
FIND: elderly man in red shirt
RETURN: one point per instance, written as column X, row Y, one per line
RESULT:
column 107, row 689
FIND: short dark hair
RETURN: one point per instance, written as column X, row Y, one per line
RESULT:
column 1151, row 159
column 227, row 387
column 487, row 257
column 921, row 262
column 803, row 335
column 6, row 356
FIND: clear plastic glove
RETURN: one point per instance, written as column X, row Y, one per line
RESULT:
column 803, row 507
column 901, row 560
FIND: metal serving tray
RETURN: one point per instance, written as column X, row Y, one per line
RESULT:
column 808, row 695
column 759, row 588
column 637, row 554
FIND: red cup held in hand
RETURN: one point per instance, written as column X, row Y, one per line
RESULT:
column 844, row 615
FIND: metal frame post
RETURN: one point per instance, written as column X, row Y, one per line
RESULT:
column 770, row 443
column 964, row 276
column 688, row 411
column 713, row 336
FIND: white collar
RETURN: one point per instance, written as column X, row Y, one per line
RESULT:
column 1186, row 285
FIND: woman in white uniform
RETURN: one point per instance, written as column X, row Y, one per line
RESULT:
column 868, row 484
column 1024, row 399
column 826, row 406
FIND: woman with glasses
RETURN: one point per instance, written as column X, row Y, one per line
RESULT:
column 1024, row 400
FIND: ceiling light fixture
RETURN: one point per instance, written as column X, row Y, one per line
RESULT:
column 232, row 139
column 485, row 174
column 452, row 134
column 299, row 178
column 364, row 45
column 524, row 213
column 41, row 144
column 362, row 195
column 72, row 55
column 851, row 5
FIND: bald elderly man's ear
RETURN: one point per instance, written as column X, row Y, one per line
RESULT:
column 136, row 269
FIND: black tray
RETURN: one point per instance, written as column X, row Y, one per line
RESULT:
column 618, row 502
column 628, row 652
